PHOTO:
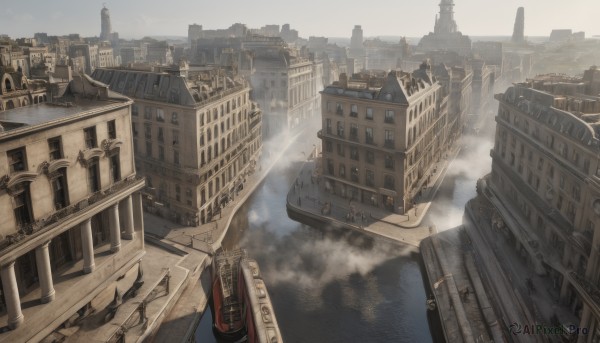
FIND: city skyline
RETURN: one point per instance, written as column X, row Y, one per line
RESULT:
column 152, row 18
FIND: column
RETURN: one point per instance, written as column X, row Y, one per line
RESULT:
column 42, row 257
column 11, row 295
column 87, row 244
column 115, row 228
column 138, row 213
column 126, row 209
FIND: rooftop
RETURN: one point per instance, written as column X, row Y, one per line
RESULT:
column 80, row 97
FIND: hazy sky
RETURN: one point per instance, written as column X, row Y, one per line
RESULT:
column 331, row 18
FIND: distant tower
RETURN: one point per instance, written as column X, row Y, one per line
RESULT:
column 446, row 24
column 356, row 42
column 519, row 31
column 106, row 30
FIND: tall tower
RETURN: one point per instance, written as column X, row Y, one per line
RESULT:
column 446, row 24
column 106, row 30
column 356, row 42
column 519, row 30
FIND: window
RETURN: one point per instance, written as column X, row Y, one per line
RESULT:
column 149, row 149
column 389, row 116
column 330, row 166
column 369, row 113
column 17, row 160
column 353, row 110
column 176, row 157
column 540, row 164
column 340, row 150
column 389, row 161
column 340, row 129
column 115, row 167
column 338, row 109
column 342, row 170
column 161, row 153
column 177, row 193
column 370, row 178
column 148, row 131
column 112, row 129
column 55, row 147
column 328, row 146
column 354, row 132
column 329, row 106
column 90, row 137
column 22, row 206
column 175, row 119
column 176, row 137
column 134, row 129
column 370, row 157
column 354, row 153
column 389, row 139
column 354, row 174
column 148, row 113
column 160, row 115
column 161, row 135
column 328, row 126
column 93, row 175
column 388, row 182
column 576, row 192
column 134, row 110
column 369, row 135
column 59, row 189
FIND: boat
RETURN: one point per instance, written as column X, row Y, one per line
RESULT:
column 242, row 307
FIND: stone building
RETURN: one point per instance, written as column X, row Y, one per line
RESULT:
column 196, row 137
column 89, row 52
column 17, row 91
column 160, row 53
column 285, row 85
column 446, row 35
column 382, row 135
column 70, row 205
column 546, row 179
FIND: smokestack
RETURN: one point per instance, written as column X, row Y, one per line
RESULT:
column 519, row 30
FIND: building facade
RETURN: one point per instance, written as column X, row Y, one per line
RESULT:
column 546, row 177
column 382, row 135
column 196, row 137
column 70, row 205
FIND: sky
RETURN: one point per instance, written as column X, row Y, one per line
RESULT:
column 330, row 18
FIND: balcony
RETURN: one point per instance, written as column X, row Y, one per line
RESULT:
column 66, row 212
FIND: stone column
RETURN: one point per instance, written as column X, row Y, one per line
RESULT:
column 138, row 214
column 126, row 209
column 87, row 244
column 11, row 295
column 42, row 257
column 115, row 228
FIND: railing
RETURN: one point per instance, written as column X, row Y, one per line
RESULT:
column 31, row 228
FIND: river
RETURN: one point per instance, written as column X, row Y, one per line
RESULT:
column 331, row 285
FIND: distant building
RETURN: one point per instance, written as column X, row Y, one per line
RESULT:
column 518, row 36
column 446, row 35
column 160, row 53
column 196, row 135
column 382, row 135
column 545, row 186
column 106, row 28
column 566, row 35
column 285, row 84
column 70, row 205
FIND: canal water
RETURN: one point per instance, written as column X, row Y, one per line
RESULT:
column 331, row 285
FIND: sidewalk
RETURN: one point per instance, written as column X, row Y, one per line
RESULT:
column 307, row 197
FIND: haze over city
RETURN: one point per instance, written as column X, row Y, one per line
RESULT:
column 138, row 18
column 312, row 171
